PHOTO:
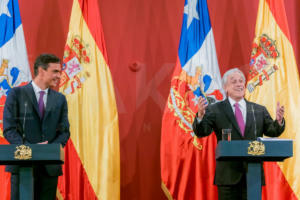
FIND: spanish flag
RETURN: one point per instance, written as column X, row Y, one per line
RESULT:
column 92, row 161
column 273, row 76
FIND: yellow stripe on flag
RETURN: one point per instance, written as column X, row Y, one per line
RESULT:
column 277, row 64
column 92, row 108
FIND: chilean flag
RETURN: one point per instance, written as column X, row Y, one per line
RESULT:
column 187, row 162
column 14, row 67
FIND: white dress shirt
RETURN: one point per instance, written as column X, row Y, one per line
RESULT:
column 242, row 106
column 37, row 90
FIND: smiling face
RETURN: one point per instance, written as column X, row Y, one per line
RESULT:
column 50, row 76
column 235, row 86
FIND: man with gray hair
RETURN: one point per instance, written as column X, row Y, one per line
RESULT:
column 246, row 120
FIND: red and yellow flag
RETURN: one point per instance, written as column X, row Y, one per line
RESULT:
column 14, row 68
column 188, row 162
column 273, row 76
column 92, row 164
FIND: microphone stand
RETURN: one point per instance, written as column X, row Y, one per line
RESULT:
column 254, row 119
column 24, row 122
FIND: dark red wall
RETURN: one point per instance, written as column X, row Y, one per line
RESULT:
column 145, row 34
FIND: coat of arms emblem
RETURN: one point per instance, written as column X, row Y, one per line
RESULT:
column 256, row 148
column 262, row 65
column 23, row 152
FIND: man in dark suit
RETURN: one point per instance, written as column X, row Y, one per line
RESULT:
column 246, row 120
column 36, row 114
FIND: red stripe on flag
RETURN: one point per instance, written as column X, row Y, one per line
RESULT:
column 5, row 184
column 4, row 178
column 277, row 186
column 187, row 165
column 91, row 14
column 75, row 182
column 3, row 140
column 278, row 10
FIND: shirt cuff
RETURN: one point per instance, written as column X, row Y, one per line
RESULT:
column 282, row 123
column 198, row 119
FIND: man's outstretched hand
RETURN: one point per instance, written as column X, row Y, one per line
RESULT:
column 202, row 104
column 279, row 113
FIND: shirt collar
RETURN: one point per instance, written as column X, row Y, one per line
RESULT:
column 242, row 103
column 37, row 89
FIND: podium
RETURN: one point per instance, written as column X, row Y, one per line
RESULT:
column 25, row 156
column 254, row 153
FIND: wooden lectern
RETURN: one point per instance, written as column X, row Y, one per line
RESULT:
column 26, row 156
column 254, row 152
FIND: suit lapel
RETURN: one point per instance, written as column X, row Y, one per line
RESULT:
column 229, row 113
column 50, row 102
column 31, row 95
column 249, row 118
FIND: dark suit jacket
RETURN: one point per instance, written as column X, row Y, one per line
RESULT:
column 221, row 116
column 54, row 127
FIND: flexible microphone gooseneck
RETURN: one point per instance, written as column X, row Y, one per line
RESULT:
column 24, row 121
column 254, row 119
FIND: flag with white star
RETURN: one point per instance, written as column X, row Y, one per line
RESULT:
column 184, row 157
column 14, row 67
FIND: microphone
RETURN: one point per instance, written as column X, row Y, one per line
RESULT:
column 24, row 121
column 254, row 119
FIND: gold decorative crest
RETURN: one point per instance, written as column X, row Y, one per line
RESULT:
column 76, row 61
column 256, row 148
column 182, row 112
column 23, row 152
column 263, row 62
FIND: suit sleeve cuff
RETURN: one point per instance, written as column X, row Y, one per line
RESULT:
column 282, row 123
column 198, row 119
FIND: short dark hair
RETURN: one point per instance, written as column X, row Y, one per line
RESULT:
column 43, row 61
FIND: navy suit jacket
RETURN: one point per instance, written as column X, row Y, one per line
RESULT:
column 221, row 116
column 54, row 127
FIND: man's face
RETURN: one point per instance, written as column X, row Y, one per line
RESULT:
column 235, row 86
column 51, row 76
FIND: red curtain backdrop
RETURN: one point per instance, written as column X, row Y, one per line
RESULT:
column 142, row 38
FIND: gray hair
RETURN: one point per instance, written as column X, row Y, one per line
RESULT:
column 231, row 71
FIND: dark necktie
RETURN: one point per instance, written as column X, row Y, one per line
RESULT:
column 239, row 118
column 41, row 104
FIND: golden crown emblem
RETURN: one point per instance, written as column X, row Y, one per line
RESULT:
column 268, row 46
